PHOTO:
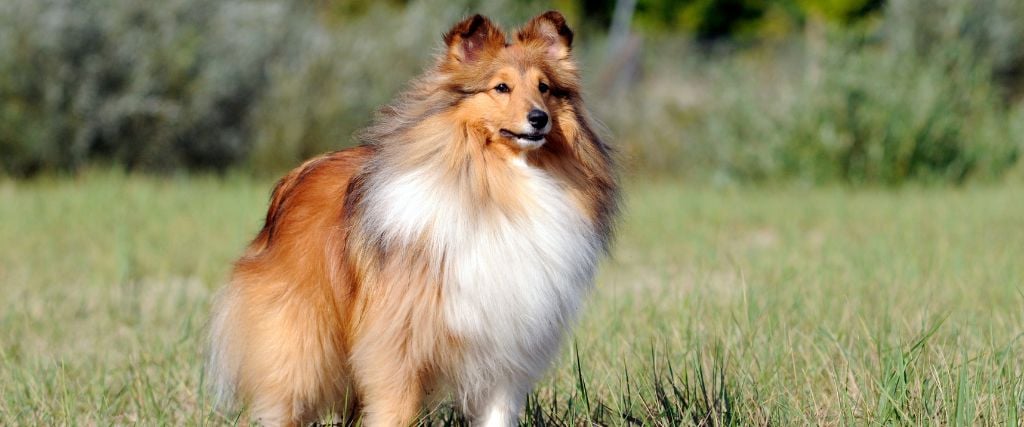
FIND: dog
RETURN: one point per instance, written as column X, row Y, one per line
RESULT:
column 444, row 257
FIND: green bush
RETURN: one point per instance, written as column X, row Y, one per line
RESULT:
column 872, row 116
column 846, row 106
column 925, row 92
column 146, row 85
column 204, row 85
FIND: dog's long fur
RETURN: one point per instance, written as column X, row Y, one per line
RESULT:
column 442, row 257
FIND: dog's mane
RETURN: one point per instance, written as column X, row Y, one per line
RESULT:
column 578, row 153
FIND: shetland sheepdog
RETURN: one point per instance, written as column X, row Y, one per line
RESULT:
column 444, row 257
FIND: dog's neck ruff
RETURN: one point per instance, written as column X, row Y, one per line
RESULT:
column 512, row 277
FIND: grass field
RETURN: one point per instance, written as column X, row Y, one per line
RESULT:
column 761, row 306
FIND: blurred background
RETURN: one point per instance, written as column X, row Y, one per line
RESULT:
column 822, row 214
column 708, row 91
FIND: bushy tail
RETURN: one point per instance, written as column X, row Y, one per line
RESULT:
column 222, row 360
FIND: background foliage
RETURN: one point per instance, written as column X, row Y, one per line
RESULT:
column 823, row 300
column 858, row 91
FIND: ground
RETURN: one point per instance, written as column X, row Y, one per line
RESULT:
column 721, row 306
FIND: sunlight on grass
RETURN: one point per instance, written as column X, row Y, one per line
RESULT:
column 782, row 306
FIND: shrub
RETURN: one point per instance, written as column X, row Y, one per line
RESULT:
column 874, row 116
column 203, row 85
column 925, row 93
column 850, row 107
column 329, row 81
column 147, row 85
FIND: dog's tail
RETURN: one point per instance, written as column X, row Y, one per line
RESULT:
column 222, row 361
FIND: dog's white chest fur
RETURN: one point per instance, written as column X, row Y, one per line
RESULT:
column 512, row 283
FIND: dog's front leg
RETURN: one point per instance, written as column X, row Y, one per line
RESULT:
column 391, row 402
column 389, row 381
column 501, row 407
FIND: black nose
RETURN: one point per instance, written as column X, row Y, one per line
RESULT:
column 537, row 118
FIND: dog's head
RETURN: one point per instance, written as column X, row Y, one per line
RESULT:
column 514, row 93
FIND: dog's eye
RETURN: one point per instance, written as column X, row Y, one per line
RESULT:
column 543, row 88
column 502, row 88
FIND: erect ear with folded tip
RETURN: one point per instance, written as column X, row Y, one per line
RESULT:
column 472, row 38
column 550, row 29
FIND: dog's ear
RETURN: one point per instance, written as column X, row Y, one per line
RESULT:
column 549, row 29
column 468, row 40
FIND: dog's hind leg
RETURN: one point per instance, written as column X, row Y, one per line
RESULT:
column 280, row 352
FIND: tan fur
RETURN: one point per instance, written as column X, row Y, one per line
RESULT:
column 320, row 314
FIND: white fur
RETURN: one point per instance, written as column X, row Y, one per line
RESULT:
column 512, row 283
column 526, row 144
column 221, row 364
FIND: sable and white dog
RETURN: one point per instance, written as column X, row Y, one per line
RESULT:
column 445, row 256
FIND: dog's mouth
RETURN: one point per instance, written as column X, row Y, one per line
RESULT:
column 527, row 136
column 525, row 140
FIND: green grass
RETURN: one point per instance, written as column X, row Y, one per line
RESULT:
column 782, row 306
